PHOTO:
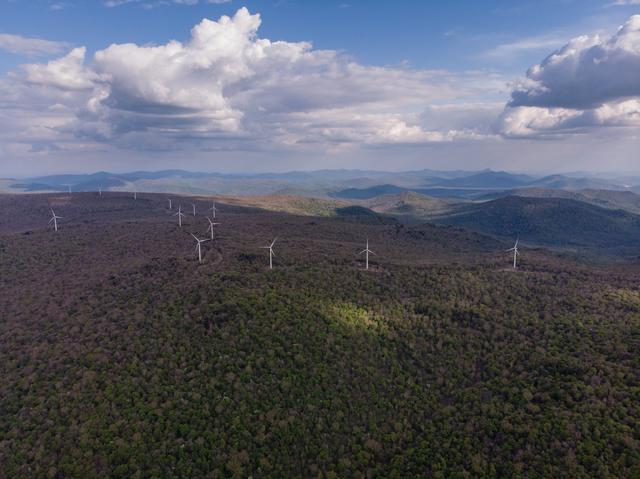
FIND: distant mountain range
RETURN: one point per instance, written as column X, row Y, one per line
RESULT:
column 478, row 185
column 573, row 212
column 340, row 184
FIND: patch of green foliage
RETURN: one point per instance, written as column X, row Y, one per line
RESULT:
column 120, row 360
column 442, row 373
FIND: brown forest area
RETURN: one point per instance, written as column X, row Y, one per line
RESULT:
column 122, row 356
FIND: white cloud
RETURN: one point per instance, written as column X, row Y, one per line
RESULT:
column 227, row 88
column 66, row 73
column 30, row 46
column 539, row 121
column 586, row 72
column 510, row 50
column 590, row 82
column 619, row 3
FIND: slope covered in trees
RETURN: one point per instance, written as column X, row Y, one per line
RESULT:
column 121, row 356
column 611, row 199
column 555, row 222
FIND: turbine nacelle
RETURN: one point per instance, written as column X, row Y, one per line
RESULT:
column 211, row 225
column 516, row 253
column 54, row 219
column 367, row 252
column 198, row 248
column 213, row 208
column 179, row 214
column 271, row 253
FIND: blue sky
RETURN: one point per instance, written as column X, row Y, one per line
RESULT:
column 381, row 84
column 427, row 34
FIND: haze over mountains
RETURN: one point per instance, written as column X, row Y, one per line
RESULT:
column 573, row 212
column 349, row 184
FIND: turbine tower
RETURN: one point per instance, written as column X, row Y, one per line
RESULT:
column 198, row 248
column 213, row 209
column 194, row 208
column 169, row 200
column 366, row 251
column 135, row 195
column 516, row 253
column 55, row 219
column 179, row 214
column 271, row 253
column 211, row 225
column 100, row 191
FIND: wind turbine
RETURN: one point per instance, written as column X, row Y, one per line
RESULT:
column 194, row 208
column 55, row 219
column 211, row 225
column 271, row 253
column 200, row 241
column 516, row 253
column 179, row 214
column 169, row 200
column 135, row 195
column 366, row 251
column 100, row 191
column 213, row 209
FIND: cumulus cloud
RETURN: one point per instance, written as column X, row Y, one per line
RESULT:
column 225, row 87
column 66, row 73
column 30, row 46
column 590, row 82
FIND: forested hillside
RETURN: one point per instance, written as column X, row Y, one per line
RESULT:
column 122, row 356
column 558, row 222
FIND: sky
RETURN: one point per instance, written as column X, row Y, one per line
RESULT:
column 275, row 85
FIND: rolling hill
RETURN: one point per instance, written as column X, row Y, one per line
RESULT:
column 123, row 356
column 554, row 222
column 410, row 206
column 611, row 199
column 368, row 193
